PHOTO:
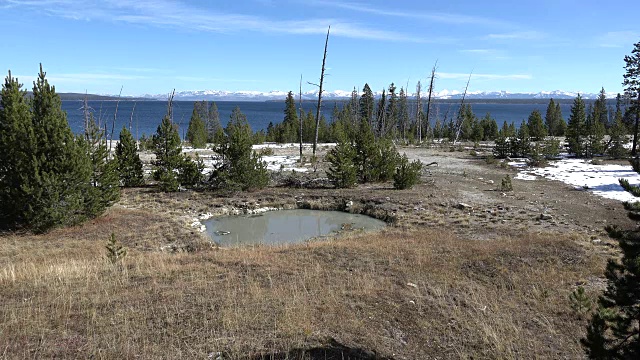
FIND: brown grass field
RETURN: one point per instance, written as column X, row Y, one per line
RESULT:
column 404, row 294
column 444, row 282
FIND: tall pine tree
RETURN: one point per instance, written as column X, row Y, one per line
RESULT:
column 197, row 132
column 128, row 160
column 576, row 127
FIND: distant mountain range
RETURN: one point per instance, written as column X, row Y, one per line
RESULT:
column 221, row 95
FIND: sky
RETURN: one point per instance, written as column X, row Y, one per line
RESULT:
column 152, row 47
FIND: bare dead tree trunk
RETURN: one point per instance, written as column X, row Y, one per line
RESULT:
column 301, row 115
column 460, row 119
column 115, row 116
column 419, row 111
column 431, row 83
column 324, row 58
column 131, row 118
column 85, row 113
column 170, row 105
column 635, row 128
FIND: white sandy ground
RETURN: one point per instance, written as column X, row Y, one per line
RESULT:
column 602, row 180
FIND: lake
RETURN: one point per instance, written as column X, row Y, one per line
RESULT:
column 148, row 114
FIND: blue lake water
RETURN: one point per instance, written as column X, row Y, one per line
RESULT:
column 148, row 114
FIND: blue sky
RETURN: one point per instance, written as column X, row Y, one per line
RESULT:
column 155, row 46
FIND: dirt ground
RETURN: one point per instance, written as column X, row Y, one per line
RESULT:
column 463, row 271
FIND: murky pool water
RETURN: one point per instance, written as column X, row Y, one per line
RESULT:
column 284, row 227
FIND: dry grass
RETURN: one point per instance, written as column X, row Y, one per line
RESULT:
column 402, row 294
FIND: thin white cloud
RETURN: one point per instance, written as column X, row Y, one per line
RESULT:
column 487, row 54
column 458, row 76
column 446, row 18
column 519, row 35
column 617, row 39
column 168, row 13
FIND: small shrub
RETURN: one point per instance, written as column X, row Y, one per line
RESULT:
column 580, row 302
column 473, row 153
column 506, row 184
column 490, row 159
column 266, row 152
column 115, row 252
column 407, row 173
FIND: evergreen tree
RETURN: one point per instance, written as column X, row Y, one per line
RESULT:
column 613, row 332
column 468, row 118
column 392, row 112
column 197, row 131
column 384, row 161
column 403, row 114
column 536, row 127
column 128, row 160
column 502, row 147
column 576, row 127
column 17, row 155
column 407, row 173
column 595, row 132
column 366, row 105
column 241, row 167
column 342, row 172
column 208, row 113
column 381, row 115
column 618, row 138
column 632, row 90
column 489, row 127
column 104, row 187
column 168, row 151
column 550, row 118
column 521, row 143
column 600, row 113
column 365, row 152
column 561, row 125
column 45, row 172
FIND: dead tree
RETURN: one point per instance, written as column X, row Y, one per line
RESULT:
column 301, row 115
column 431, row 83
column 324, row 58
column 460, row 119
column 419, row 111
column 131, row 117
column 113, row 124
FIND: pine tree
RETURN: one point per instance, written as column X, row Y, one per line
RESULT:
column 241, row 167
column 521, row 143
column 381, row 115
column 618, row 138
column 289, row 129
column 384, row 160
column 407, row 173
column 403, row 114
column 168, row 151
column 366, row 105
column 536, row 127
column 17, row 155
column 600, row 113
column 614, row 332
column 632, row 90
column 550, row 118
column 62, row 169
column 392, row 112
column 595, row 132
column 104, row 180
column 576, row 127
column 45, row 172
column 502, row 147
column 342, row 171
column 365, row 147
column 197, row 131
column 489, row 127
column 128, row 160
column 208, row 113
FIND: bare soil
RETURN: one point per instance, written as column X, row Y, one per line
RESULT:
column 463, row 271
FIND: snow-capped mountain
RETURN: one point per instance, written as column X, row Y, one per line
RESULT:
column 222, row 95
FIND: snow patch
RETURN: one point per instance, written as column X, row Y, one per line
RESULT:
column 602, row 180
